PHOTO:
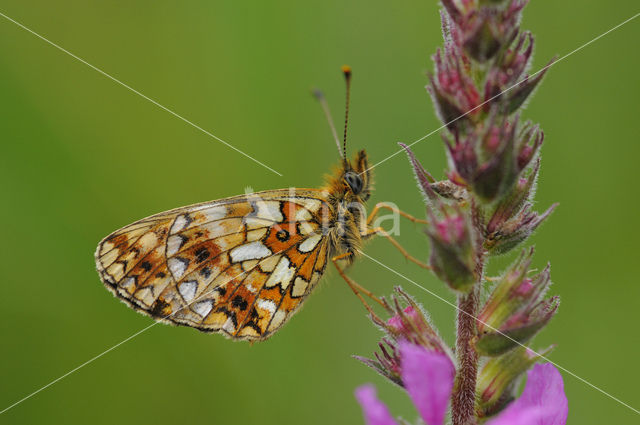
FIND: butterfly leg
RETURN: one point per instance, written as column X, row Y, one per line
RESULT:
column 391, row 208
column 379, row 231
column 355, row 287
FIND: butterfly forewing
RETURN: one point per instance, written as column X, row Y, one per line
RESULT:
column 240, row 266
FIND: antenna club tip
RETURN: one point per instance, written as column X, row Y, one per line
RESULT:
column 317, row 93
column 346, row 70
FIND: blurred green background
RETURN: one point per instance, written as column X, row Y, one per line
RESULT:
column 82, row 156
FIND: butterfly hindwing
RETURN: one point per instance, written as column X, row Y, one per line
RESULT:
column 240, row 266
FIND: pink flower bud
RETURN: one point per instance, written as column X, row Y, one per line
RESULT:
column 516, row 310
column 506, row 85
column 510, row 233
column 454, row 93
column 453, row 255
column 408, row 323
column 485, row 27
column 491, row 159
column 510, row 205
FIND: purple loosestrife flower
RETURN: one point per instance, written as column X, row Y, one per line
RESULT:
column 375, row 411
column 481, row 210
column 429, row 380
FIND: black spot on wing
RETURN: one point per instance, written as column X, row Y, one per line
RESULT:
column 205, row 272
column 202, row 254
column 239, row 303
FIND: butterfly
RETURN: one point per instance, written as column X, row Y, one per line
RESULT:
column 241, row 266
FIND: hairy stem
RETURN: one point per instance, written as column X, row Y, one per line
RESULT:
column 464, row 393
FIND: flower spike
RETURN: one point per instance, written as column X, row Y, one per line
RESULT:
column 483, row 209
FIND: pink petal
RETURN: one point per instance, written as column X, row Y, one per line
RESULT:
column 519, row 416
column 545, row 389
column 375, row 412
column 428, row 378
column 542, row 402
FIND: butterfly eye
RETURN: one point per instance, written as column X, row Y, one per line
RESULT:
column 354, row 181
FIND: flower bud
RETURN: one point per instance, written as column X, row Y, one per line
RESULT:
column 506, row 84
column 513, row 203
column 498, row 379
column 409, row 323
column 453, row 255
column 452, row 90
column 509, row 234
column 485, row 27
column 490, row 160
column 518, row 94
column 516, row 309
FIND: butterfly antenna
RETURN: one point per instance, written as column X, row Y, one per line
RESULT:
column 317, row 93
column 346, row 70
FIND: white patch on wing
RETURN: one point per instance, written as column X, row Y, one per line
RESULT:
column 307, row 228
column 177, row 266
column 269, row 264
column 108, row 258
column 203, row 307
column 106, row 246
column 148, row 241
column 188, row 290
column 116, row 270
column 312, row 205
column 174, row 243
column 277, row 320
column 228, row 326
column 269, row 210
column 129, row 284
column 218, row 228
column 299, row 287
column 254, row 235
column 180, row 223
column 250, row 251
column 213, row 213
column 302, row 214
column 145, row 295
column 256, row 223
column 268, row 305
column 310, row 243
column 282, row 274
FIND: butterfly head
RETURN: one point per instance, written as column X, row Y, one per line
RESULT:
column 356, row 178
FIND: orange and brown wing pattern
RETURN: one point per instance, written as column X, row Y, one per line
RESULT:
column 240, row 266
